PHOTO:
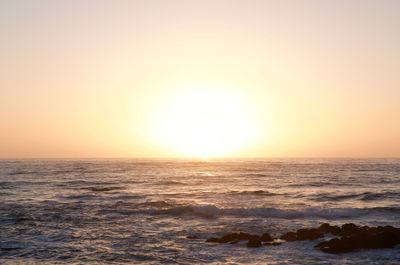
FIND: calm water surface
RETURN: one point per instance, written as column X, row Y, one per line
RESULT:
column 141, row 211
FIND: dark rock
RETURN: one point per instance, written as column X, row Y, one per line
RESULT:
column 303, row 234
column 327, row 228
column 335, row 230
column 266, row 237
column 324, row 228
column 254, row 243
column 229, row 237
column 345, row 230
column 349, row 229
column 351, row 237
column 371, row 238
column 334, row 245
column 192, row 237
column 309, row 234
column 214, row 240
column 289, row 236
column 239, row 237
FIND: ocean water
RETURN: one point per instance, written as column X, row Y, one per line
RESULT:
column 141, row 211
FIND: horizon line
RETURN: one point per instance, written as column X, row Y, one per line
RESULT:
column 198, row 158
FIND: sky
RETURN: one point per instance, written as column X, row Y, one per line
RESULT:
column 95, row 78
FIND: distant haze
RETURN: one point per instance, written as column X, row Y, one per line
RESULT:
column 84, row 78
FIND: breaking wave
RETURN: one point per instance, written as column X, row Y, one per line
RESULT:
column 212, row 211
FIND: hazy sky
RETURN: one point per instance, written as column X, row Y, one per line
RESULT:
column 83, row 78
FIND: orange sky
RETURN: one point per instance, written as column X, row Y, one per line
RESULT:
column 94, row 78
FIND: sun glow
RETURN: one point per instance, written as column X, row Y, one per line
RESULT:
column 204, row 121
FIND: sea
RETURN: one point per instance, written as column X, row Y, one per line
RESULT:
column 137, row 211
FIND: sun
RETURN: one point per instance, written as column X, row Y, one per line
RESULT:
column 199, row 120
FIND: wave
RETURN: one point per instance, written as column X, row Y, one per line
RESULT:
column 336, row 197
column 84, row 184
column 255, row 192
column 171, row 209
column 212, row 211
column 169, row 182
column 369, row 196
column 364, row 196
column 22, row 172
column 321, row 184
column 154, row 204
column 103, row 189
column 13, row 184
column 82, row 197
column 127, row 197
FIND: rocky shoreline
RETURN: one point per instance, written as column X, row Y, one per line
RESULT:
column 346, row 238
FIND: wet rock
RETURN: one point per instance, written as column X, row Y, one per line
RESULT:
column 214, row 240
column 335, row 230
column 266, row 237
column 246, row 236
column 254, row 243
column 349, row 229
column 302, row 234
column 334, row 245
column 309, row 234
column 371, row 238
column 350, row 237
column 324, row 228
column 229, row 238
column 329, row 229
column 344, row 230
column 289, row 236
